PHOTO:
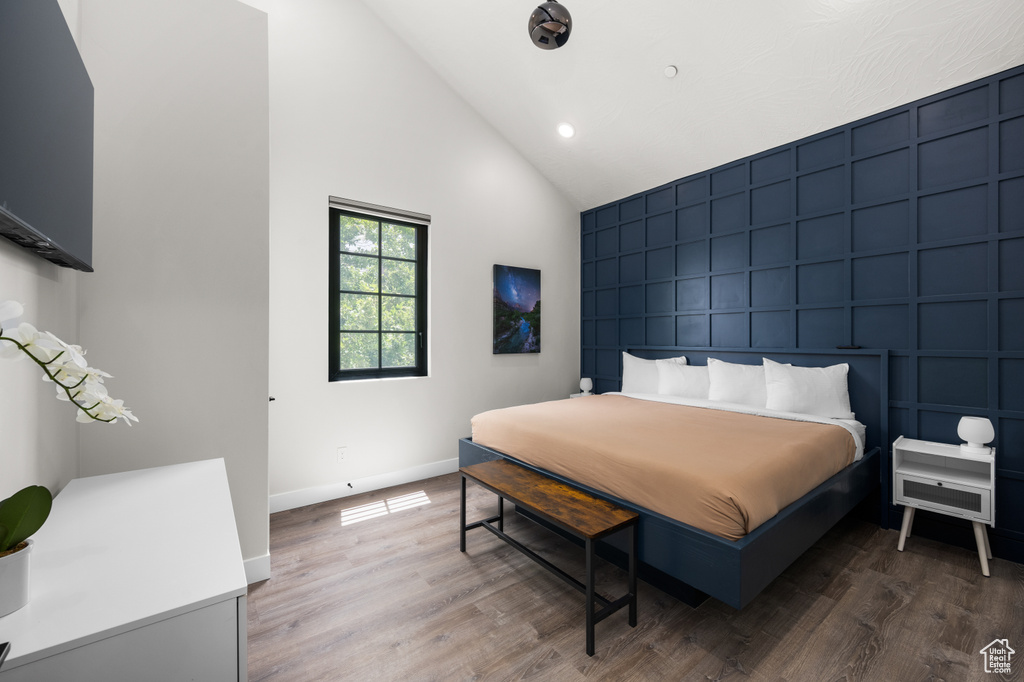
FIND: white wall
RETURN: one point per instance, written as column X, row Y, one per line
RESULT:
column 38, row 434
column 177, row 307
column 356, row 114
column 71, row 9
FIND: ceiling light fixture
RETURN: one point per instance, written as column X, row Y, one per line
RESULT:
column 566, row 130
column 671, row 71
column 550, row 25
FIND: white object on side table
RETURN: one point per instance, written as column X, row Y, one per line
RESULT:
column 977, row 432
column 135, row 576
column 949, row 480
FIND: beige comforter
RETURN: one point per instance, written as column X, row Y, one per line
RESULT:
column 723, row 472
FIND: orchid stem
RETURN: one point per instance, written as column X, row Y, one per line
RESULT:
column 67, row 389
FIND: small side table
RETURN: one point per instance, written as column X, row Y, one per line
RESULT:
column 945, row 479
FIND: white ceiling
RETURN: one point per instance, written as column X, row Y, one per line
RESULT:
column 753, row 74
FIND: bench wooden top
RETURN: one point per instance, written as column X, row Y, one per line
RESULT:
column 575, row 510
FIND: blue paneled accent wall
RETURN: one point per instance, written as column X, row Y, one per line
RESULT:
column 903, row 231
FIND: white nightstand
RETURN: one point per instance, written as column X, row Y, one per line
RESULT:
column 945, row 479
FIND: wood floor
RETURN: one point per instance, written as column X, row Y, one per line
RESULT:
column 383, row 593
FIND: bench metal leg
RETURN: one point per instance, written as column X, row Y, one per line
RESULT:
column 634, row 542
column 590, row 597
column 462, row 517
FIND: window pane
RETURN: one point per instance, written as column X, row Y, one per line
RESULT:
column 398, row 314
column 399, row 350
column 358, row 351
column 358, row 273
column 357, row 235
column 358, row 311
column 399, row 277
column 398, row 241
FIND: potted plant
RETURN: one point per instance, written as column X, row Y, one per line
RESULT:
column 24, row 512
column 21, row 515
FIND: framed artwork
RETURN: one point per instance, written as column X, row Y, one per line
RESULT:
column 516, row 310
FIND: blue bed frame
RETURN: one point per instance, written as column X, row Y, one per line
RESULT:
column 691, row 563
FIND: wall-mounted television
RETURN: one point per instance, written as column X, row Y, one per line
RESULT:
column 46, row 135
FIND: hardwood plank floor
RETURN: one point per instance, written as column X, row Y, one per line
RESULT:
column 390, row 597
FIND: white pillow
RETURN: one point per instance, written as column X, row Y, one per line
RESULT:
column 641, row 376
column 733, row 383
column 686, row 381
column 820, row 391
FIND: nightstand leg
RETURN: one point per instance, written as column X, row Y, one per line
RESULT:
column 910, row 528
column 982, row 539
column 908, row 520
column 988, row 547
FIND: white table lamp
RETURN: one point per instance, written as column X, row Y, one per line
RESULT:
column 978, row 432
column 586, row 385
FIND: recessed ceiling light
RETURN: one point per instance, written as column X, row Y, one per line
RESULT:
column 566, row 130
column 671, row 71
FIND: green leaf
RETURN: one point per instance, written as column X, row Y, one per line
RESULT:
column 399, row 314
column 399, row 241
column 399, row 350
column 358, row 273
column 399, row 277
column 23, row 513
column 358, row 312
column 358, row 235
column 358, row 351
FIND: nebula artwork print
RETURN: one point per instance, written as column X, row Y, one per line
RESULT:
column 516, row 310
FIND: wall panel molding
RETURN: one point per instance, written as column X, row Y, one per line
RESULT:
column 902, row 231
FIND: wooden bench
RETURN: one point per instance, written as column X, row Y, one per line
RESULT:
column 578, row 513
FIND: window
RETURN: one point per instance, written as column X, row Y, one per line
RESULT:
column 378, row 280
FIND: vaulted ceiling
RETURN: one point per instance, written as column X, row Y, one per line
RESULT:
column 752, row 74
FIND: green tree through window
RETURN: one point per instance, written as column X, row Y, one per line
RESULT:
column 378, row 296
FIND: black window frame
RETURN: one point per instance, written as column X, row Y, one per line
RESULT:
column 334, row 314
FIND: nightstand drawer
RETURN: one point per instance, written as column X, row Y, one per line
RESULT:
column 955, row 499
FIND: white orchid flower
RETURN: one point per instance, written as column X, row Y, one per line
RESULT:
column 71, row 374
column 64, row 364
column 86, row 395
column 72, row 353
column 34, row 342
column 110, row 409
column 84, row 417
column 10, row 311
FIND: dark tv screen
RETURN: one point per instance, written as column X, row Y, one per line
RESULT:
column 46, row 135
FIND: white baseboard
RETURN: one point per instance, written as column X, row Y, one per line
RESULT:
column 334, row 491
column 257, row 569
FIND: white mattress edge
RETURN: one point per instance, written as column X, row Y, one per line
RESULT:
column 855, row 428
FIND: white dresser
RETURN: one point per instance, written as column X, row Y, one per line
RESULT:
column 135, row 576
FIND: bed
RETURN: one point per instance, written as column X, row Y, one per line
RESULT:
column 692, row 563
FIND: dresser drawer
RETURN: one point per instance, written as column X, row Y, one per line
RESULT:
column 955, row 499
